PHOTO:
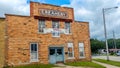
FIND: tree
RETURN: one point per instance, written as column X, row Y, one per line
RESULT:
column 96, row 45
column 111, row 43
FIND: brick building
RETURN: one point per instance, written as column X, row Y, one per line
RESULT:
column 2, row 41
column 48, row 35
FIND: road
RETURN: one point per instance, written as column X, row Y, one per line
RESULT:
column 114, row 58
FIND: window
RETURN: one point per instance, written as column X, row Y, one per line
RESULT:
column 67, row 27
column 55, row 26
column 52, row 51
column 34, row 52
column 41, row 25
column 70, row 50
column 81, row 50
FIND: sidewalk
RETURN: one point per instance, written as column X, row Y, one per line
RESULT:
column 103, row 64
column 66, row 66
column 106, row 65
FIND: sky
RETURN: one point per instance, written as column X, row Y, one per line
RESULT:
column 84, row 10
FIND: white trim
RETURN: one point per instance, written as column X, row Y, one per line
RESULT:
column 65, row 27
column 71, row 58
column 58, row 29
column 37, row 60
column 70, row 44
column 39, row 26
column 83, row 46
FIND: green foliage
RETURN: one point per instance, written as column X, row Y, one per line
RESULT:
column 111, row 43
column 116, row 63
column 85, row 64
column 96, row 45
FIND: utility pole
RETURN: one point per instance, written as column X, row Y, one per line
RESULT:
column 105, row 30
column 114, row 42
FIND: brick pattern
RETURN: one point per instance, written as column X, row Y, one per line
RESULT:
column 23, row 30
column 2, row 41
column 35, row 9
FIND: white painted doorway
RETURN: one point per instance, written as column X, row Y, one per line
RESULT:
column 33, row 52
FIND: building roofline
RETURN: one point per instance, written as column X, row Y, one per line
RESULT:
column 16, row 15
column 2, row 17
column 52, row 5
column 82, row 21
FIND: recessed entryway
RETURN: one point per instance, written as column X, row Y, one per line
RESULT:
column 56, row 55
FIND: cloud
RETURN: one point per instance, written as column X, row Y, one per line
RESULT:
column 14, row 7
column 91, row 11
column 84, row 10
column 19, row 7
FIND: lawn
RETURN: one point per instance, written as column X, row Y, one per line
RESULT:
column 85, row 64
column 34, row 66
column 116, row 63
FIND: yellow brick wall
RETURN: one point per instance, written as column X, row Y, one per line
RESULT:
column 22, row 30
column 2, row 41
column 35, row 9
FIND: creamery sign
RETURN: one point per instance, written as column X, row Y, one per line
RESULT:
column 53, row 13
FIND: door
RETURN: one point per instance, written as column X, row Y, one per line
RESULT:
column 33, row 52
column 52, row 56
column 59, row 55
column 56, row 55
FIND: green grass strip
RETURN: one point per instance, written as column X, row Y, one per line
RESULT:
column 115, row 63
column 85, row 64
column 34, row 66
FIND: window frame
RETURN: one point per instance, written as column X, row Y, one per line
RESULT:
column 72, row 50
column 81, row 48
column 54, row 21
column 66, row 28
column 36, row 51
column 40, row 21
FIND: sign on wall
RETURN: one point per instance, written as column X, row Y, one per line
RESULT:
column 53, row 13
column 51, row 30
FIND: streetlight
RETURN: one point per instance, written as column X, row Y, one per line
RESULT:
column 105, row 32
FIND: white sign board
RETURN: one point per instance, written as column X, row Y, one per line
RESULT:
column 53, row 13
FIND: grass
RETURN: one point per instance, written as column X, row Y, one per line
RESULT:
column 85, row 64
column 116, row 63
column 34, row 66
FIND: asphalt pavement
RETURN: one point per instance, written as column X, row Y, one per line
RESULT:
column 114, row 58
